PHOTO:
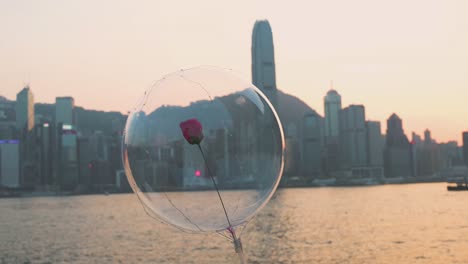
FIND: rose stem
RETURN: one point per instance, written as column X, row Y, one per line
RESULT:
column 236, row 240
column 215, row 185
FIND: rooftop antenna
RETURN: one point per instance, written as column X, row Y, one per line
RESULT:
column 331, row 84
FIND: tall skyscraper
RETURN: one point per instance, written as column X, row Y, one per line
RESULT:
column 428, row 156
column 397, row 155
column 67, row 158
column 465, row 147
column 427, row 137
column 64, row 111
column 332, row 105
column 416, row 149
column 66, row 142
column 44, row 148
column 332, row 102
column 311, row 146
column 25, row 110
column 395, row 134
column 263, row 60
column 375, row 144
column 24, row 125
column 353, row 147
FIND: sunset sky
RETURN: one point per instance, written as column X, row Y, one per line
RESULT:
column 408, row 57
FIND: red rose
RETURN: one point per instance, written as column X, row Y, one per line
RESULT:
column 192, row 131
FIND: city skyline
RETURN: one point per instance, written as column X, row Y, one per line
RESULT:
column 415, row 68
column 343, row 147
column 407, row 133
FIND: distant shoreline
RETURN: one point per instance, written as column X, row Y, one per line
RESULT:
column 361, row 182
column 324, row 183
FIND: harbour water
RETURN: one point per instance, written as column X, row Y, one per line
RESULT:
column 414, row 223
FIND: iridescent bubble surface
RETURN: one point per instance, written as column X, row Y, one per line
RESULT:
column 241, row 150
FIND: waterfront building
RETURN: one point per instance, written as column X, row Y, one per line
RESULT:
column 353, row 143
column 85, row 157
column 416, row 146
column 24, row 125
column 222, row 157
column 7, row 119
column 427, row 137
column 121, row 182
column 465, row 147
column 416, row 139
column 99, row 143
column 9, row 164
column 100, row 176
column 263, row 60
column 96, row 162
column 64, row 111
column 448, row 155
column 44, row 156
column 194, row 170
column 332, row 103
column 292, row 152
column 375, row 144
column 115, row 153
column 311, row 146
column 67, row 163
column 397, row 154
column 428, row 156
column 67, row 158
column 25, row 110
column 291, row 158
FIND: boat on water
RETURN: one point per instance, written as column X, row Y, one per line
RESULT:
column 457, row 184
column 457, row 178
column 458, row 187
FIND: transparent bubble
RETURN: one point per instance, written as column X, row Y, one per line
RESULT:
column 240, row 153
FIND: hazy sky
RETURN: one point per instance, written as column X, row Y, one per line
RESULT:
column 404, row 56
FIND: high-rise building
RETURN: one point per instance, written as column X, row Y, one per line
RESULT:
column 44, row 148
column 64, row 111
column 25, row 110
column 332, row 102
column 263, row 60
column 427, row 137
column 7, row 119
column 9, row 164
column 24, row 126
column 292, row 151
column 375, row 144
column 465, row 147
column 311, row 146
column 448, row 155
column 67, row 162
column 332, row 105
column 428, row 156
column 66, row 144
column 397, row 155
column 415, row 152
column 416, row 139
column 395, row 133
column 353, row 144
